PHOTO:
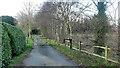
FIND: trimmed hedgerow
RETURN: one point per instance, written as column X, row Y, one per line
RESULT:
column 6, row 48
column 22, row 40
column 17, row 39
column 12, row 43
column 0, row 45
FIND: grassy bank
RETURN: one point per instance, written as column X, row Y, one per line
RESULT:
column 79, row 57
column 18, row 58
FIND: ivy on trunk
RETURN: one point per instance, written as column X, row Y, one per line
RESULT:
column 100, row 27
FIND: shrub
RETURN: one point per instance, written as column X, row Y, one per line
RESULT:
column 22, row 40
column 17, row 39
column 0, row 45
column 6, row 48
column 9, row 20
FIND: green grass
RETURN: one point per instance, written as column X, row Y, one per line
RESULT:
column 32, row 36
column 30, row 42
column 80, row 57
column 17, row 59
column 40, row 35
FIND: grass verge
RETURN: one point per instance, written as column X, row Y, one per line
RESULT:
column 17, row 59
column 79, row 57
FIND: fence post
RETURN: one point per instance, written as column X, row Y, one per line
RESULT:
column 63, row 40
column 106, row 53
column 70, row 43
column 80, row 45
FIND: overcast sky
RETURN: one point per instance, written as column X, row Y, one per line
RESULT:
column 12, row 7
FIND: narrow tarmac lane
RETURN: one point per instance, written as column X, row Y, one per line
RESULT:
column 45, row 56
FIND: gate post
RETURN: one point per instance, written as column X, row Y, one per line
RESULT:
column 70, row 43
column 80, row 45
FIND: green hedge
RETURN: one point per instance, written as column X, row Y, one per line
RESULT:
column 0, row 45
column 6, row 48
column 17, row 37
column 13, row 43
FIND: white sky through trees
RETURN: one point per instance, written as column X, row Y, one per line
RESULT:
column 12, row 7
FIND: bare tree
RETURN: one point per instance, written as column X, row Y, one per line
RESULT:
column 26, row 18
column 59, row 17
column 44, row 18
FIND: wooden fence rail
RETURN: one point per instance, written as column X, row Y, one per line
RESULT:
column 106, row 57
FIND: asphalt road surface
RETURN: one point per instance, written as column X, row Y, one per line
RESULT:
column 45, row 56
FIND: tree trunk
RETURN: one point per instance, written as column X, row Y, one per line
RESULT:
column 27, row 40
column 29, row 32
column 101, row 28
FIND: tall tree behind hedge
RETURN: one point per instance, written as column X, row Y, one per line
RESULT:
column 26, row 18
column 9, row 20
column 101, row 27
